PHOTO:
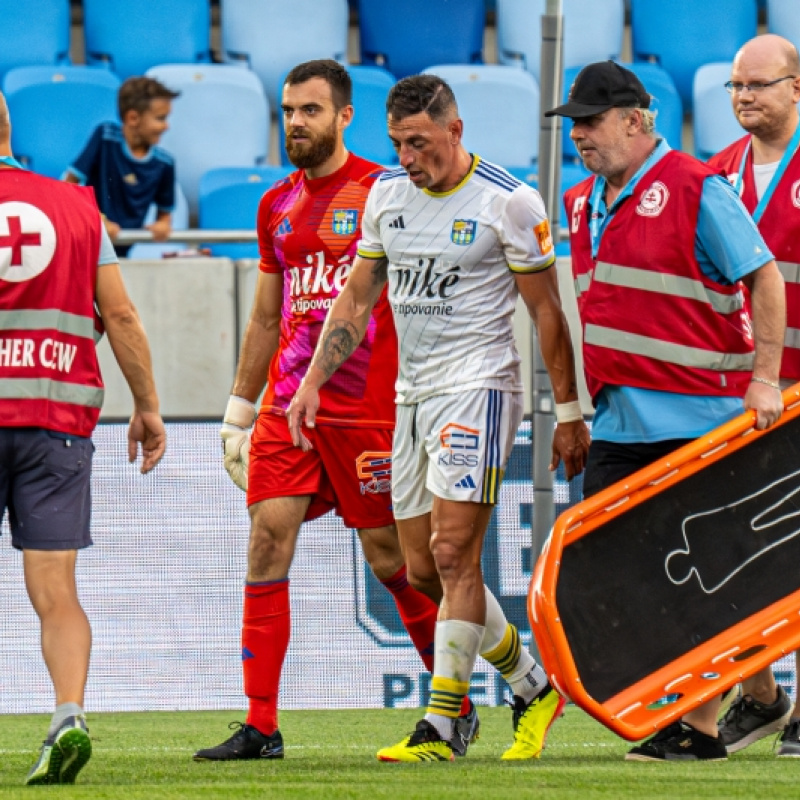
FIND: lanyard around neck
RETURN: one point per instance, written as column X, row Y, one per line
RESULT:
column 784, row 163
column 594, row 217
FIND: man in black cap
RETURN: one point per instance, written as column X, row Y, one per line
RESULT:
column 661, row 250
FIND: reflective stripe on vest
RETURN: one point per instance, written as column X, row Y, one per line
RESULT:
column 45, row 388
column 582, row 282
column 792, row 338
column 790, row 272
column 660, row 350
column 48, row 319
column 674, row 285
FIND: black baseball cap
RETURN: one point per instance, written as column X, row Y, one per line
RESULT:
column 601, row 86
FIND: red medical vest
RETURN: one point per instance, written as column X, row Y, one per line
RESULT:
column 49, row 247
column 651, row 318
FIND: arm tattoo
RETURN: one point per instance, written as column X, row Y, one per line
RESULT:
column 340, row 339
column 380, row 271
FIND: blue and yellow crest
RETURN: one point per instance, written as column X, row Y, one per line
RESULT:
column 463, row 231
column 345, row 221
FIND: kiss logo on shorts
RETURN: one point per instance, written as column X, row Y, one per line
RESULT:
column 374, row 471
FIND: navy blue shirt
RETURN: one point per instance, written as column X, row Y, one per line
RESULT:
column 124, row 185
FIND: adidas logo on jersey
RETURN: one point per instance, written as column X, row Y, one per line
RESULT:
column 398, row 223
column 466, row 483
column 285, row 227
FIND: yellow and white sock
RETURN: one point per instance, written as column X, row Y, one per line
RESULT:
column 456, row 646
column 502, row 648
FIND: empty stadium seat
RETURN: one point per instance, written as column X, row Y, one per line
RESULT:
column 130, row 36
column 592, row 32
column 407, row 38
column 500, row 109
column 682, row 35
column 714, row 124
column 180, row 222
column 229, row 199
column 221, row 119
column 272, row 36
column 54, row 111
column 366, row 135
column 34, row 32
column 783, row 18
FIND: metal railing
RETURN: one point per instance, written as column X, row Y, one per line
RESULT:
column 188, row 236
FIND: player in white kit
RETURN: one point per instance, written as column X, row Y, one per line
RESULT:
column 457, row 239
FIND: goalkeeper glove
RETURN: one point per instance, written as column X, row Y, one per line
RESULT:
column 235, row 433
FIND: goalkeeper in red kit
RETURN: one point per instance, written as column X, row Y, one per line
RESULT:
column 309, row 225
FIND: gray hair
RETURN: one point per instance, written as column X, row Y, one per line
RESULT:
column 648, row 118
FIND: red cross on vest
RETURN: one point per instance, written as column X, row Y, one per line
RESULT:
column 16, row 240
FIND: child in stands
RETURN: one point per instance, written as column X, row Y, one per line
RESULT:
column 124, row 165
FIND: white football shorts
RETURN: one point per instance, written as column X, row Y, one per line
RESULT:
column 453, row 446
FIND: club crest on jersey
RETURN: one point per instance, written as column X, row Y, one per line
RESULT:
column 653, row 200
column 463, row 231
column 796, row 194
column 345, row 221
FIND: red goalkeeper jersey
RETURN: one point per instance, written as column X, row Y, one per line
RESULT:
column 308, row 231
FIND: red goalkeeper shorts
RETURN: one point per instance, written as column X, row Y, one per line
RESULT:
column 348, row 471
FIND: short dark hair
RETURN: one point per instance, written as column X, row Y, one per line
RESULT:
column 136, row 94
column 418, row 93
column 332, row 72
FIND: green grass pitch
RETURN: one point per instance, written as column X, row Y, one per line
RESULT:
column 331, row 754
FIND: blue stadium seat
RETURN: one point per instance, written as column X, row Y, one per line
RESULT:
column 180, row 222
column 229, row 200
column 714, row 124
column 783, row 18
column 34, row 32
column 408, row 37
column 20, row 77
column 366, row 135
column 272, row 36
column 592, row 32
column 130, row 36
column 221, row 119
column 682, row 35
column 54, row 111
column 500, row 109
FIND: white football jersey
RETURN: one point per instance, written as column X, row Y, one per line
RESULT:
column 451, row 258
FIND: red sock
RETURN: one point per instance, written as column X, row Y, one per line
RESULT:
column 266, row 624
column 418, row 613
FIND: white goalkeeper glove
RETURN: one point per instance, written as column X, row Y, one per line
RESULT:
column 235, row 433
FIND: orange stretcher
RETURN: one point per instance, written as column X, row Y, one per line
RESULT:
column 674, row 584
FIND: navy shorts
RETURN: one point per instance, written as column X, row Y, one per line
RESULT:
column 45, row 485
column 610, row 462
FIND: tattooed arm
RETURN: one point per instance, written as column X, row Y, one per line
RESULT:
column 344, row 329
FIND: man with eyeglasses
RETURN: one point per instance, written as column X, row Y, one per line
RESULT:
column 764, row 167
column 661, row 250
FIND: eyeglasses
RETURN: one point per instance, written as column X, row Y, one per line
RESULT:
column 756, row 87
